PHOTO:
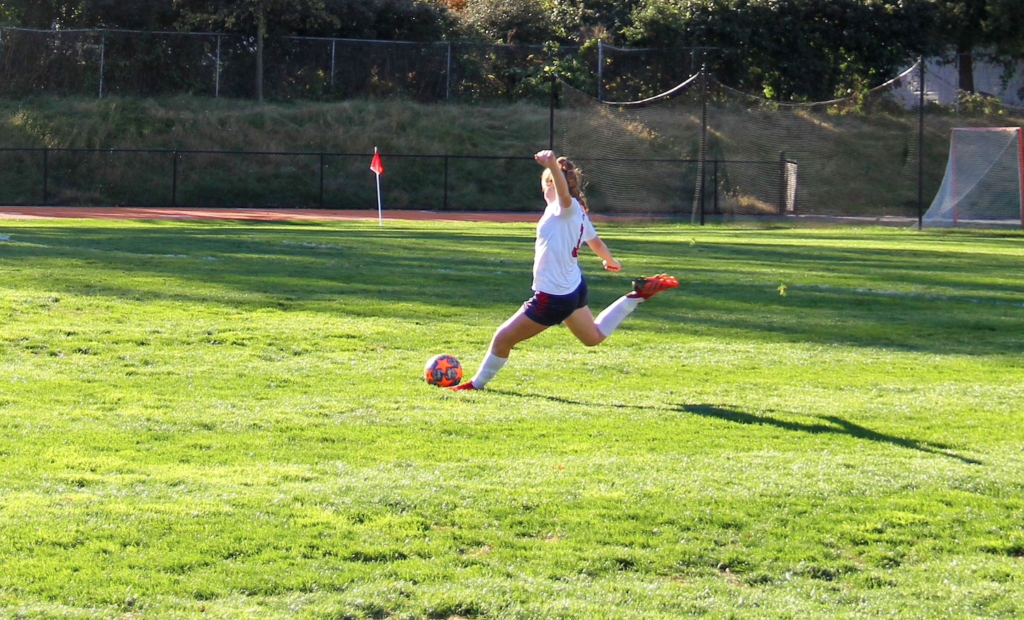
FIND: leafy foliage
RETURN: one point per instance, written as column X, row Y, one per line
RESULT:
column 593, row 19
column 508, row 21
column 279, row 16
column 42, row 13
column 969, row 24
column 786, row 49
column 791, row 49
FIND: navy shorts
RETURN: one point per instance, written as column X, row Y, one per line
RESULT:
column 549, row 310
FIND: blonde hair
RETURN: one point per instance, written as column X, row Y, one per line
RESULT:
column 573, row 178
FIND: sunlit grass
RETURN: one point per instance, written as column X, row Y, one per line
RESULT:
column 225, row 420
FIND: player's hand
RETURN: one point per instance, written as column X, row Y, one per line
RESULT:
column 546, row 158
column 612, row 265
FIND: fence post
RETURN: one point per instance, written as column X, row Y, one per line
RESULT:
column 781, row 182
column 334, row 50
column 698, row 199
column 600, row 69
column 216, row 73
column 46, row 175
column 445, row 203
column 321, row 180
column 260, row 43
column 715, row 207
column 920, row 147
column 448, row 74
column 174, row 180
column 103, row 53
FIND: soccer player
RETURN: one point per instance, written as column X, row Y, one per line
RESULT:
column 560, row 291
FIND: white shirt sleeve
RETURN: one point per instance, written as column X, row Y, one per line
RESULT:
column 589, row 232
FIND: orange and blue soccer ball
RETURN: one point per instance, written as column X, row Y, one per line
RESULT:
column 443, row 371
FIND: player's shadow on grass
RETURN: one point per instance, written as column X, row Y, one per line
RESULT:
column 830, row 424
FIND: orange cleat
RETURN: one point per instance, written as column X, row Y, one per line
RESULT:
column 463, row 387
column 645, row 288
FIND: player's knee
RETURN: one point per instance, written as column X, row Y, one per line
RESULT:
column 502, row 340
column 502, row 344
column 501, row 351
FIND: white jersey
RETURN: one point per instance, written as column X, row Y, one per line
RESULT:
column 560, row 233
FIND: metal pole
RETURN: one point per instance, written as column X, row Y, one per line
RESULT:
column 445, row 208
column 380, row 200
column 920, row 147
column 321, row 180
column 715, row 176
column 956, row 104
column 781, row 182
column 46, row 175
column 600, row 69
column 103, row 53
column 448, row 75
column 216, row 93
column 699, row 198
column 174, row 181
column 1020, row 164
column 334, row 48
column 956, row 185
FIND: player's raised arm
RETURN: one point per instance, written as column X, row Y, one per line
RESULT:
column 550, row 161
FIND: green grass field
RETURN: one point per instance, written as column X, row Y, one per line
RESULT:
column 223, row 420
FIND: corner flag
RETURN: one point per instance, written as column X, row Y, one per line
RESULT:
column 377, row 165
column 378, row 168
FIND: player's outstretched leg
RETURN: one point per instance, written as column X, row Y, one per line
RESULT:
column 645, row 288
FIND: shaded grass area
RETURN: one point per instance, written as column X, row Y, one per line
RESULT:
column 226, row 420
column 854, row 287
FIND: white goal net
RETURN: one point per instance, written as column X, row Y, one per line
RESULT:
column 984, row 182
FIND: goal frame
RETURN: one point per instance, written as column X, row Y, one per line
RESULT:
column 1020, row 166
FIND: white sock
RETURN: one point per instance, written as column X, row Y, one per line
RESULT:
column 490, row 367
column 608, row 321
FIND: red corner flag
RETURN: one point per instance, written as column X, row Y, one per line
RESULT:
column 377, row 165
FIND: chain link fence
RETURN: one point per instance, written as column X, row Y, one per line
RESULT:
column 138, row 63
column 109, row 62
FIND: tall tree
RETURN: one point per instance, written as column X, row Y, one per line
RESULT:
column 970, row 26
column 254, row 17
column 791, row 49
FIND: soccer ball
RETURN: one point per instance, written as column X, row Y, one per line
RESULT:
column 443, row 371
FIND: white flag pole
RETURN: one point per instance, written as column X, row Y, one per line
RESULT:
column 380, row 204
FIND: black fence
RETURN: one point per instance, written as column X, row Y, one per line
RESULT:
column 236, row 179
